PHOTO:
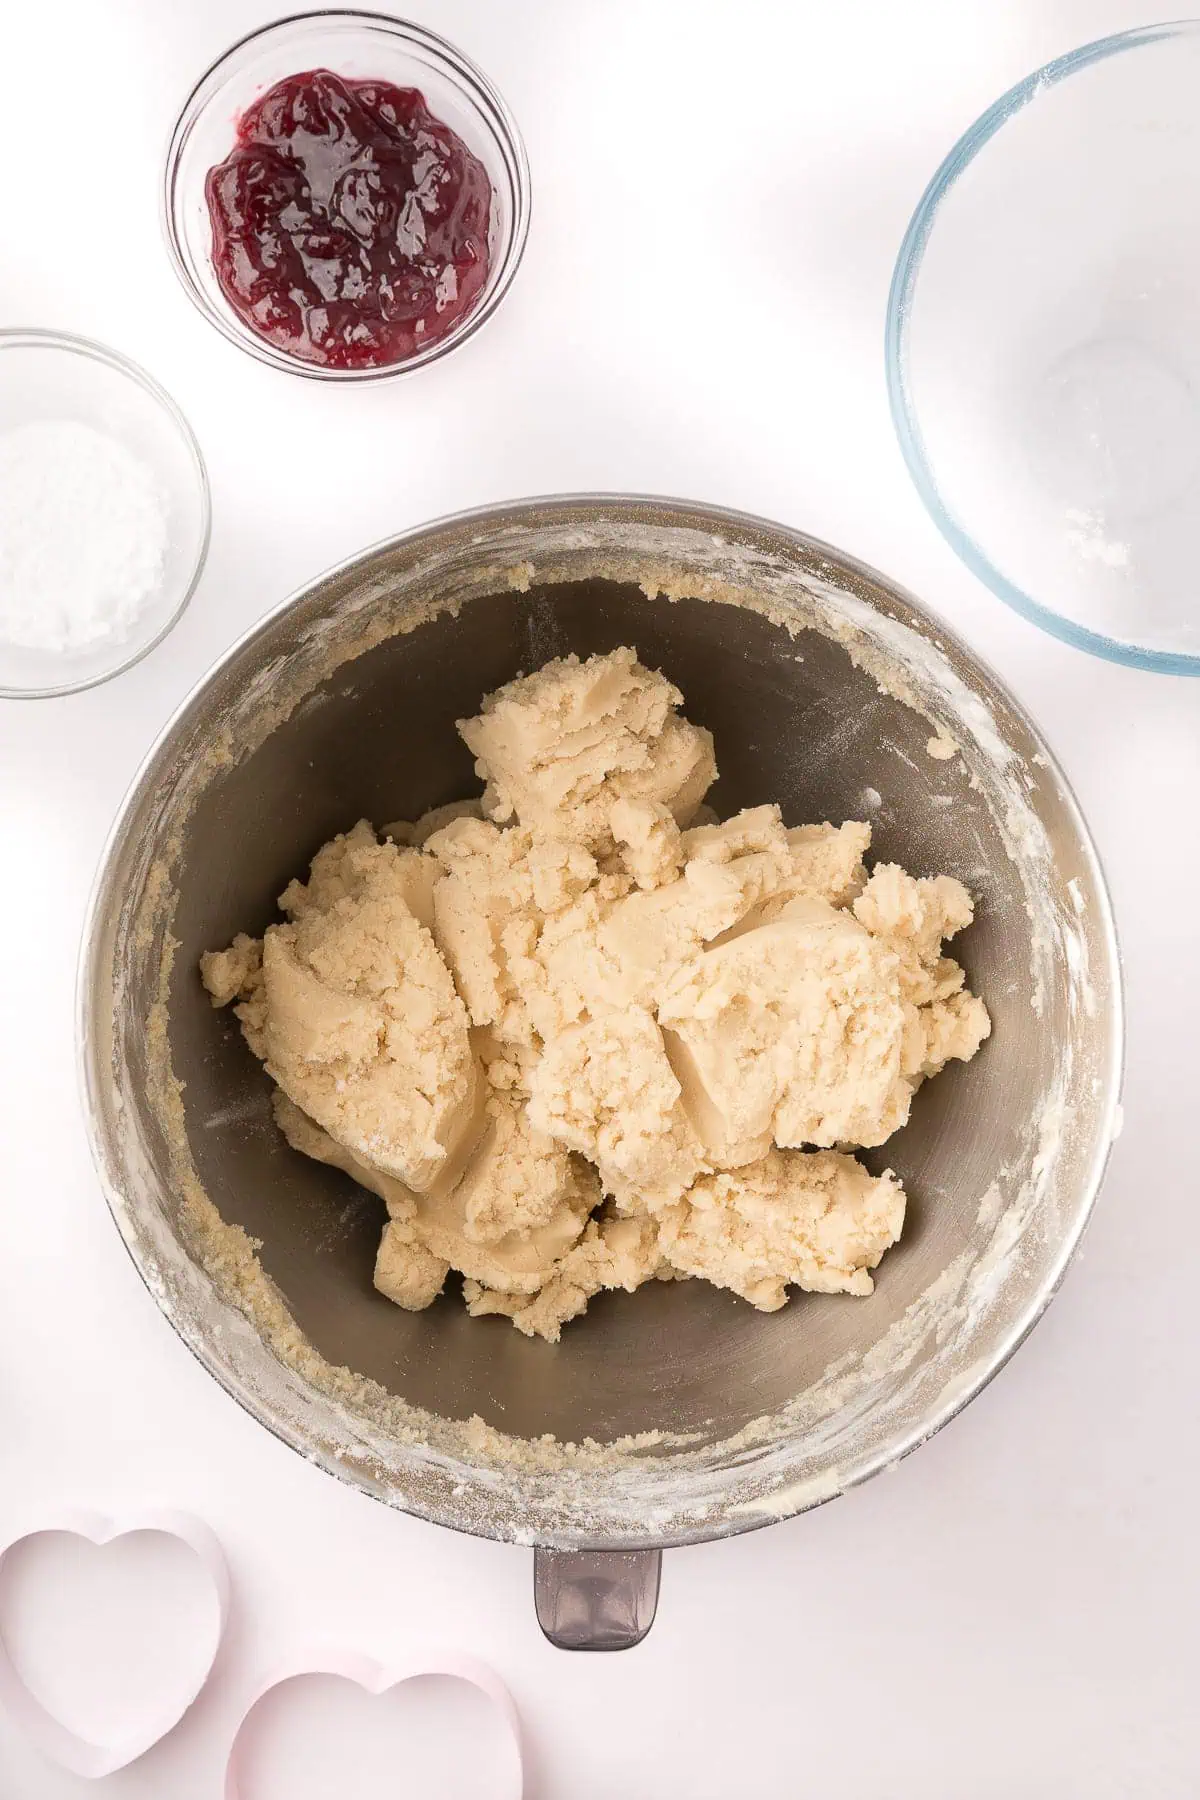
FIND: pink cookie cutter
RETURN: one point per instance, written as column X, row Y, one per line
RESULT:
column 378, row 1678
column 56, row 1740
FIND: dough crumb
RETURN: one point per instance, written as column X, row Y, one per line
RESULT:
column 557, row 748
column 613, row 1253
column 354, row 1012
column 791, row 1034
column 648, row 840
column 815, row 1219
column 580, row 1033
column 607, row 1090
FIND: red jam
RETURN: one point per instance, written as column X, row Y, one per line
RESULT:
column 350, row 226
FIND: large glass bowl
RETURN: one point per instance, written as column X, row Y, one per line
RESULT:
column 1043, row 347
column 360, row 45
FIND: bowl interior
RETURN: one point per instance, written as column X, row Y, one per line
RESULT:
column 378, row 742
column 796, row 719
column 359, row 45
column 48, row 377
column 1044, row 363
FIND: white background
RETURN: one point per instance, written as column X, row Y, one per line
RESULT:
column 719, row 195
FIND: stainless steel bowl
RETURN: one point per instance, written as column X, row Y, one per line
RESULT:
column 823, row 685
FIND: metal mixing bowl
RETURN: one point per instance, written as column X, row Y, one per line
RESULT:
column 823, row 686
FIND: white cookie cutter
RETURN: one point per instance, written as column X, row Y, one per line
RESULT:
column 378, row 1678
column 56, row 1740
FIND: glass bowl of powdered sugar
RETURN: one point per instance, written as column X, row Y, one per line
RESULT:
column 104, row 513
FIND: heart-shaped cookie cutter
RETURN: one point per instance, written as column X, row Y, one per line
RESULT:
column 54, row 1739
column 379, row 1678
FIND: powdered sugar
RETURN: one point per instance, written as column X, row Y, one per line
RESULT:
column 83, row 537
column 1087, row 534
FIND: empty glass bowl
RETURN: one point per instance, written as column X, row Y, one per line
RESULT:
column 361, row 45
column 50, row 377
column 1043, row 347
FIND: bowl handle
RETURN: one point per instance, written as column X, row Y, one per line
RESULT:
column 596, row 1599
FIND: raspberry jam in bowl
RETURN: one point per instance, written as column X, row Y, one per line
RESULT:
column 347, row 197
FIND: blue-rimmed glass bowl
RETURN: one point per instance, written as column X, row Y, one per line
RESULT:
column 1043, row 347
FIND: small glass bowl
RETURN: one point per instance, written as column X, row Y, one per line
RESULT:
column 1043, row 358
column 360, row 45
column 51, row 375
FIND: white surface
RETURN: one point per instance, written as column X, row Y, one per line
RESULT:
column 719, row 193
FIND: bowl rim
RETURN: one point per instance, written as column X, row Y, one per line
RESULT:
column 901, row 294
column 466, row 75
column 718, row 518
column 33, row 337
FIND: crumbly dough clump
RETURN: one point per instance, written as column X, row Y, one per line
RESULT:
column 581, row 1034
column 558, row 748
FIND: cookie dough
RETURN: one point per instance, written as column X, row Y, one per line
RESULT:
column 352, row 1008
column 558, row 748
column 580, row 1034
column 820, row 1222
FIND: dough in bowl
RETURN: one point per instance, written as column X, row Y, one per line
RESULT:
column 579, row 1034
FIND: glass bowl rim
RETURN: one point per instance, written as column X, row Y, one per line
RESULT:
column 33, row 337
column 896, row 334
column 458, row 68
